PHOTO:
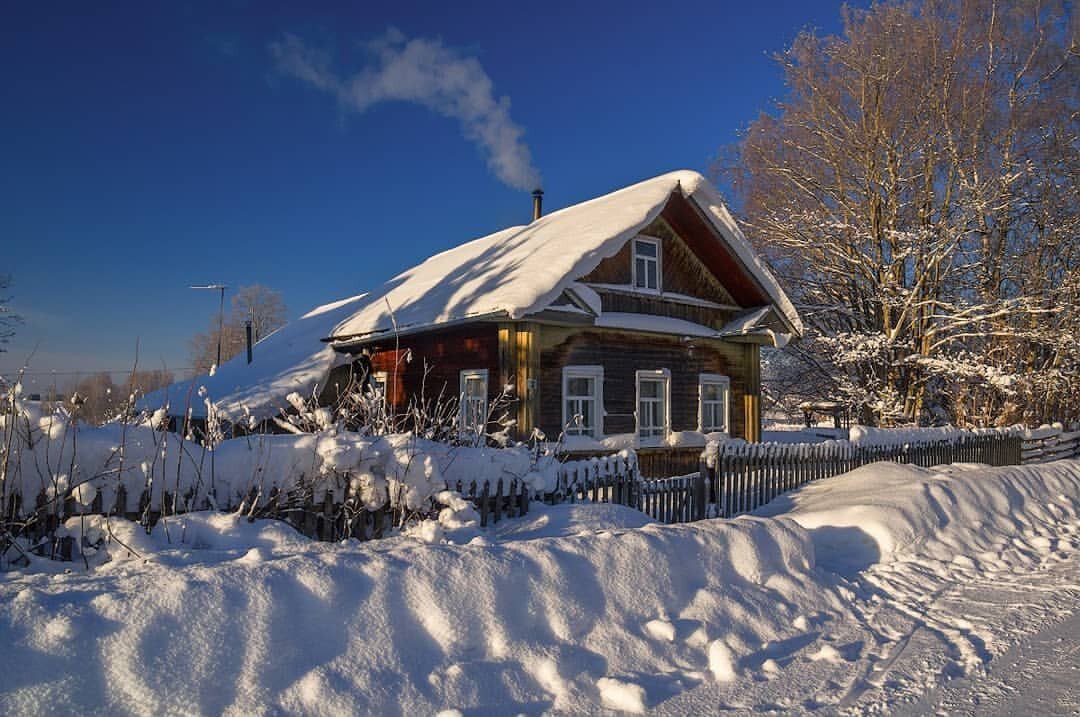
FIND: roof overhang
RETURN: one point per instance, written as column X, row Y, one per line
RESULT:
column 352, row 344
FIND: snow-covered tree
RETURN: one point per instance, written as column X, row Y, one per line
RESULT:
column 917, row 191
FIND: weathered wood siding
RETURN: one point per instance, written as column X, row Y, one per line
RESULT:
column 682, row 272
column 622, row 354
column 446, row 353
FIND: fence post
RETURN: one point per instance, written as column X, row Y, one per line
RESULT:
column 484, row 504
column 701, row 496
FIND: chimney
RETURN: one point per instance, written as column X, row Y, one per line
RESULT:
column 247, row 334
column 538, row 201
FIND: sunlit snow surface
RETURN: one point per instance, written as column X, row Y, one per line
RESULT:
column 863, row 591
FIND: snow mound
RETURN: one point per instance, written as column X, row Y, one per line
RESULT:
column 873, row 513
column 569, row 624
column 567, row 519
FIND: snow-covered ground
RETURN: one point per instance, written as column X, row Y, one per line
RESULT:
column 889, row 587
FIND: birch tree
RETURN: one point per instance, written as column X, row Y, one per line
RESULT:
column 917, row 190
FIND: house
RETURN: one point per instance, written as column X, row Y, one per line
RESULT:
column 638, row 314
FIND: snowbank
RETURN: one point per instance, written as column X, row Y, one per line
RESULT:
column 868, row 515
column 622, row 618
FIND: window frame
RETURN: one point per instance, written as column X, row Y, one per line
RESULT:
column 463, row 399
column 714, row 379
column 658, row 259
column 662, row 375
column 597, row 374
column 380, row 378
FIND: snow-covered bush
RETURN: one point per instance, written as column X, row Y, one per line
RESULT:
column 134, row 467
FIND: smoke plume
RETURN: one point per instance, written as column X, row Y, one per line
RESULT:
column 427, row 73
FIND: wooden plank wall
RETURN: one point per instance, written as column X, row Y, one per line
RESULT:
column 622, row 354
column 447, row 353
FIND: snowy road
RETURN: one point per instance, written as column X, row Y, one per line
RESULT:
column 1024, row 628
column 1040, row 675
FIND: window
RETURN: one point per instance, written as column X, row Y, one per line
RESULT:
column 647, row 264
column 379, row 381
column 714, row 393
column 474, row 389
column 583, row 400
column 653, row 399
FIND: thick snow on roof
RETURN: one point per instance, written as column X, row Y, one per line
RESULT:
column 520, row 270
column 293, row 358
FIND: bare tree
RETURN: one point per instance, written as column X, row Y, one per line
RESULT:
column 917, row 190
column 102, row 400
column 8, row 319
column 264, row 307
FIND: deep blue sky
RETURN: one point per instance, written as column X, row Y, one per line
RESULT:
column 148, row 146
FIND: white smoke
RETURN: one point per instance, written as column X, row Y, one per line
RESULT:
column 430, row 74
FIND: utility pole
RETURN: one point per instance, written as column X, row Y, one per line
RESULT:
column 221, row 313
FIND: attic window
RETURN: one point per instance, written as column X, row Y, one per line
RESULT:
column 647, row 264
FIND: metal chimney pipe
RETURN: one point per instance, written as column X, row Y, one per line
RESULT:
column 247, row 333
column 538, row 202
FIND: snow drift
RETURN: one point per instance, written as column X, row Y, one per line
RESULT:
column 621, row 618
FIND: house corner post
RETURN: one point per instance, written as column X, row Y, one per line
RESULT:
column 526, row 363
column 752, row 397
column 508, row 372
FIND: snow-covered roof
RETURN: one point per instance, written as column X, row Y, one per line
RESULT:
column 521, row 270
column 513, row 273
column 293, row 358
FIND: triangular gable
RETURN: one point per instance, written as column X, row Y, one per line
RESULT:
column 522, row 270
column 683, row 271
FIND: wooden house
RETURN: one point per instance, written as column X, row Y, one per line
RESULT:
column 640, row 312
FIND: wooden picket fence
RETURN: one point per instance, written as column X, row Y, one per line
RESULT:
column 739, row 478
column 732, row 480
column 654, row 461
column 324, row 516
column 679, row 499
column 744, row 477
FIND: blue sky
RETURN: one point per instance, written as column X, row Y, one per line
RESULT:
column 149, row 146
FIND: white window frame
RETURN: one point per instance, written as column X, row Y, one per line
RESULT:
column 714, row 379
column 597, row 374
column 663, row 375
column 464, row 400
column 658, row 259
column 380, row 381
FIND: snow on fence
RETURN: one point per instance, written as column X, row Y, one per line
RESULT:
column 743, row 476
column 617, row 479
column 1050, row 444
column 345, row 501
